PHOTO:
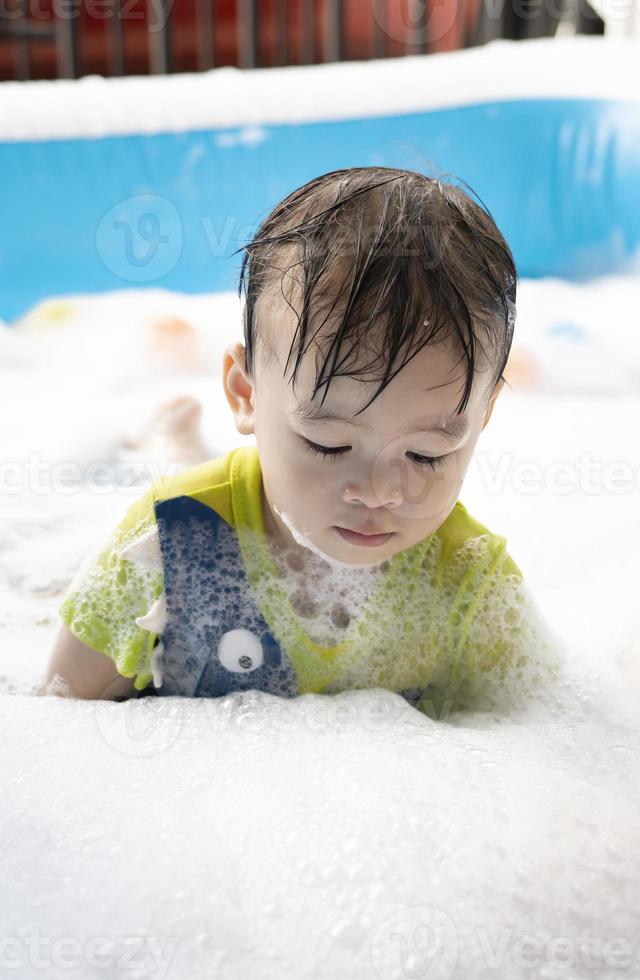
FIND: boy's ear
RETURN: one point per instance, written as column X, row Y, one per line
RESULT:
column 492, row 400
column 238, row 388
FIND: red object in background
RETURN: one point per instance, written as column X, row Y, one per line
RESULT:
column 448, row 24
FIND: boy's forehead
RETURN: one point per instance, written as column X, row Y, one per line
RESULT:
column 433, row 379
column 278, row 326
column 426, row 390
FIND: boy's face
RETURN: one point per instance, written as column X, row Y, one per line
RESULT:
column 392, row 477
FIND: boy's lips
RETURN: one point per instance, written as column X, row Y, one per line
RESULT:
column 364, row 530
column 365, row 538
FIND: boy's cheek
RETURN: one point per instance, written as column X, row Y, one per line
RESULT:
column 305, row 486
column 429, row 503
column 298, row 483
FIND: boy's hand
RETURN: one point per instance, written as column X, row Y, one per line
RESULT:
column 77, row 670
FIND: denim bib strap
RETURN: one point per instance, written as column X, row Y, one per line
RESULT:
column 215, row 639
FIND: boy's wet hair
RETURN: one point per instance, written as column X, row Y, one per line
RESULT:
column 397, row 259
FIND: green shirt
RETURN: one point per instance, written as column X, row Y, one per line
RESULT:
column 450, row 620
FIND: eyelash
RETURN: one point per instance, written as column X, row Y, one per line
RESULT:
column 336, row 454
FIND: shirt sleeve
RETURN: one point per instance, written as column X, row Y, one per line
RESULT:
column 110, row 592
column 504, row 654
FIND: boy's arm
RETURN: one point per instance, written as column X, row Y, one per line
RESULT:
column 512, row 656
column 506, row 655
column 103, row 649
column 77, row 670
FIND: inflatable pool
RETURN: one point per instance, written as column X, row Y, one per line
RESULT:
column 319, row 838
column 117, row 182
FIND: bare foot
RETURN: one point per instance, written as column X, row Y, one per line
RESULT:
column 173, row 434
column 178, row 418
column 175, row 342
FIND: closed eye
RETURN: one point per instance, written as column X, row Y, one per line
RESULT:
column 336, row 453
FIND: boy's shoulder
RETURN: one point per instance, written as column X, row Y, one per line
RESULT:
column 215, row 482
column 465, row 540
column 195, row 480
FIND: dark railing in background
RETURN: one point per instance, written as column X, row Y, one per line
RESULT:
column 69, row 38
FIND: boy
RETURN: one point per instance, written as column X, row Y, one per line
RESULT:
column 335, row 553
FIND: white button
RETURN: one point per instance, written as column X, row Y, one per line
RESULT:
column 240, row 651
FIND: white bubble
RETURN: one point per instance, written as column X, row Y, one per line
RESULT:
column 304, row 542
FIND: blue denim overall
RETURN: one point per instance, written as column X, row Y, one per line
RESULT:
column 215, row 640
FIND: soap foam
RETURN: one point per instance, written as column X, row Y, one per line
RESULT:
column 412, row 628
column 301, row 538
column 109, row 588
column 399, row 625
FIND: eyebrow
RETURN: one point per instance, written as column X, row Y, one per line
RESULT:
column 457, row 426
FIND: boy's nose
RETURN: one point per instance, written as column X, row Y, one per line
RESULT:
column 373, row 496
